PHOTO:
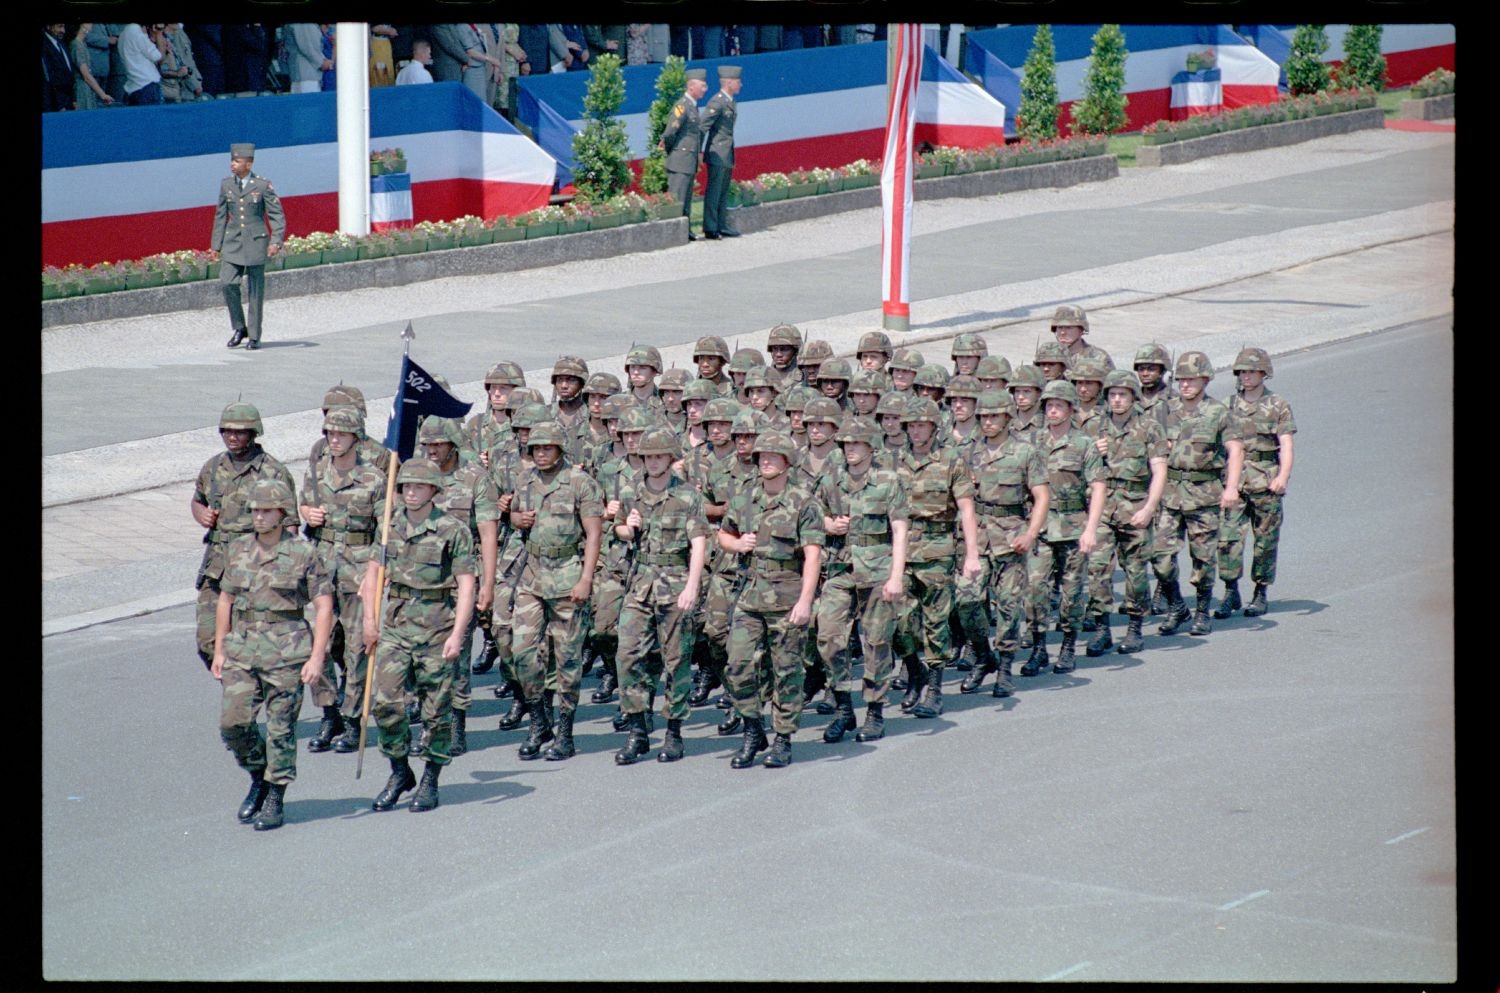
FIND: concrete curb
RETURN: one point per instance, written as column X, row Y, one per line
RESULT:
column 1254, row 139
column 119, row 612
column 395, row 271
column 1427, row 108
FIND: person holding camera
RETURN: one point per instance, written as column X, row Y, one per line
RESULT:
column 141, row 48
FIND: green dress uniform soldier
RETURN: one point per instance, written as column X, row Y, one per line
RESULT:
column 220, row 504
column 863, row 577
column 1075, row 473
column 263, row 651
column 561, row 511
column 469, row 494
column 1134, row 447
column 1204, row 462
column 874, row 351
column 663, row 518
column 427, row 602
column 1011, row 497
column 1267, row 426
column 940, row 494
column 490, row 428
column 642, row 366
column 717, row 124
column 967, row 349
column 903, row 369
column 343, row 504
column 249, row 227
column 779, row 524
column 993, row 373
column 507, row 465
column 681, row 139
column 782, row 345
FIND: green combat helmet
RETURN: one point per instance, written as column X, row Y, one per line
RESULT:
column 797, row 398
column 1027, row 375
column 993, row 367
column 720, row 409
column 1253, row 360
column 745, row 422
column 891, row 403
column 1070, row 315
column 1060, row 389
column 746, row 359
column 644, row 355
column 520, row 397
column 969, row 343
column 344, row 419
column 1123, row 378
column 996, row 402
column 436, row 429
column 906, row 358
column 961, row 386
column 272, row 494
column 674, row 379
column 570, row 365
column 822, row 411
column 921, row 409
column 635, row 419
column 866, row 381
column 241, row 416
column 874, row 341
column 530, row 415
column 345, row 396
column 1086, row 369
column 546, row 433
column 859, row 429
column 759, row 376
column 834, row 369
column 712, row 345
column 699, row 389
column 659, row 441
column 931, row 375
column 505, row 374
column 1051, row 351
column 420, row 470
column 814, row 352
column 776, row 443
column 612, row 406
column 1193, row 364
column 784, row 334
column 1152, row 354
column 603, row 383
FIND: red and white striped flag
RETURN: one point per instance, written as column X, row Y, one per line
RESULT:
column 896, row 175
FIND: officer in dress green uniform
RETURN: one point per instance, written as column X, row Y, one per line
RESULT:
column 717, row 123
column 681, row 139
column 247, row 204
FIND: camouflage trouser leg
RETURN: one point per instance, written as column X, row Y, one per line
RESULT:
column 1100, row 567
column 559, row 623
column 462, row 678
column 1202, row 527
column 1134, row 547
column 351, row 614
column 971, row 608
column 206, row 616
column 715, row 612
column 1061, row 561
column 833, row 614
column 650, row 631
column 1007, row 583
column 1038, row 585
column 398, row 658
column 1262, row 511
column 931, row 585
column 759, row 641
column 246, row 687
column 605, row 604
column 500, row 630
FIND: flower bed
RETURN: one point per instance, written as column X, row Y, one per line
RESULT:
column 1287, row 109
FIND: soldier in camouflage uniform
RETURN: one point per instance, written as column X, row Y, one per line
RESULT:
column 780, row 525
column 740, row 364
column 903, row 369
column 889, row 414
column 617, row 477
column 1087, row 374
column 642, row 366
column 1075, row 473
column 718, row 414
column 810, row 359
column 1134, row 448
column 569, row 375
column 369, row 449
column 507, row 465
column 561, row 511
column 1267, row 426
column 993, row 373
column 1052, row 359
column 345, row 503
column 600, row 386
column 833, row 381
column 671, row 388
column 1204, row 462
column 663, row 519
column 794, row 401
column 1151, row 364
column 865, row 389
column 782, row 344
column 263, row 652
column 428, row 600
column 968, row 348
column 940, row 493
column 490, row 428
column 761, row 394
column 1028, row 424
column 711, row 355
column 469, row 494
column 1009, row 473
column 962, row 394
column 874, row 351
column 821, row 419
column 220, row 505
column 864, row 572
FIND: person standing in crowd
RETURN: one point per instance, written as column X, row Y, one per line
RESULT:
column 140, row 51
column 416, row 71
column 304, row 49
column 680, row 139
column 717, row 124
column 57, row 70
column 247, row 205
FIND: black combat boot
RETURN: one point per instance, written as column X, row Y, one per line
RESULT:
column 964, row 662
column 250, row 806
column 1102, row 641
column 402, row 779
column 1025, row 639
column 504, row 689
column 698, row 693
column 562, row 748
column 671, row 748
column 813, row 681
column 514, row 717
column 916, row 679
column 1003, row 686
column 1230, row 603
column 1257, row 605
column 460, row 741
column 637, row 743
column 487, row 657
column 731, row 724
column 975, row 679
column 1158, row 604
column 711, row 682
column 268, row 818
column 1201, row 624
column 621, row 720
column 844, row 722
column 874, row 726
column 1065, row 659
column 541, row 728
column 589, row 658
column 1133, row 641
column 1177, row 610
column 755, row 743
column 420, row 748
column 931, row 703
column 608, row 683
column 1090, row 623
column 349, row 740
column 426, row 796
column 1039, row 660
column 331, row 724
column 780, row 754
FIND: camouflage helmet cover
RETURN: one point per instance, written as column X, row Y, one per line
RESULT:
column 711, row 344
column 1192, row 364
column 1070, row 315
column 784, row 334
column 858, row 429
column 420, row 470
column 969, row 343
column 1060, row 389
column 907, row 358
column 644, row 355
column 1253, row 360
column 241, row 416
column 344, row 396
column 1152, row 354
column 921, row 409
column 760, row 376
column 1027, row 375
column 635, row 418
column 834, row 369
column 814, row 352
column 868, row 381
column 776, row 443
column 1087, row 369
column 746, row 422
column 797, row 398
column 699, row 389
column 963, row 386
column 1051, row 351
column 673, row 379
column 344, row 418
column 606, row 383
column 570, row 365
column 993, row 367
column 530, row 415
column 874, row 341
column 931, row 375
column 822, row 411
column 658, row 441
column 746, row 359
column 996, row 402
column 720, row 409
column 268, row 494
column 546, row 433
column 439, row 429
column 520, row 397
column 505, row 374
column 1123, row 378
column 891, row 403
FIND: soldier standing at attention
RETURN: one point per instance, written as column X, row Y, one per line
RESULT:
column 345, row 503
column 569, row 374
column 1151, row 362
column 1203, row 480
column 263, row 651
column 874, row 351
column 1267, row 425
column 247, row 204
column 663, row 517
column 903, row 368
column 642, row 366
column 810, row 359
column 680, row 138
column 670, row 389
column 717, row 123
column 490, row 428
column 711, row 355
column 968, row 348
column 993, row 373
column 779, row 523
column 429, row 598
column 221, row 504
column 1052, row 359
column 782, row 345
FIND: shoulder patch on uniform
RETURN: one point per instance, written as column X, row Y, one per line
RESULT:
column 677, row 111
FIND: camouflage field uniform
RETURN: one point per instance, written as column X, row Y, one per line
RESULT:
column 1261, row 424
column 1132, row 446
column 265, row 648
column 617, row 480
column 934, row 484
column 1073, row 463
column 725, row 573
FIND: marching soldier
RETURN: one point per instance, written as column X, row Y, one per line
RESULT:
column 711, row 355
column 642, row 366
column 782, row 344
column 680, row 139
column 370, row 451
column 903, row 369
column 671, row 388
column 248, row 206
column 617, row 476
column 810, row 359
column 490, row 428
column 508, row 464
column 968, row 348
column 1052, row 359
column 993, row 373
column 874, row 351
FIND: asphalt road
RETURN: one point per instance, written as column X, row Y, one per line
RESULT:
column 1275, row 802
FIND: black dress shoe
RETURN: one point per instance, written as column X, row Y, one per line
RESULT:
column 729, row 233
column 251, row 345
column 237, row 339
column 711, row 236
column 692, row 237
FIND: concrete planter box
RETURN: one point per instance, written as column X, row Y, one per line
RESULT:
column 1265, row 136
column 1427, row 108
column 393, row 271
